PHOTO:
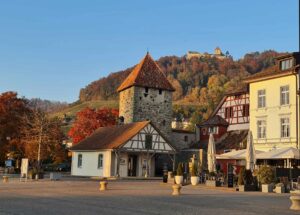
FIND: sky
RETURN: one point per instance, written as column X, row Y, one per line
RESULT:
column 51, row 49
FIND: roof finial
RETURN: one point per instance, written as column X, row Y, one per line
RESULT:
column 147, row 51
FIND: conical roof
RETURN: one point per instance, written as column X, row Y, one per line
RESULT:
column 146, row 74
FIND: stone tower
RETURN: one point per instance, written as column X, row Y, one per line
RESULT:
column 146, row 94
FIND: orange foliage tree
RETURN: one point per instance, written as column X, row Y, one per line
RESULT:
column 88, row 120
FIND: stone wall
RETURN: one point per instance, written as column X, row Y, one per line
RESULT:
column 140, row 104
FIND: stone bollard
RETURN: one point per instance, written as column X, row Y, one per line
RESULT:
column 295, row 202
column 5, row 179
column 103, row 185
column 176, row 189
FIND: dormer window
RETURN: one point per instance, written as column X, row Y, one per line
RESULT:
column 286, row 64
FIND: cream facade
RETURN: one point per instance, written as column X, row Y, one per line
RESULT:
column 273, row 113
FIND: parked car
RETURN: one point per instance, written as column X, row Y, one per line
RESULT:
column 63, row 167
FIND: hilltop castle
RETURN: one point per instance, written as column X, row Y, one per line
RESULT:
column 217, row 54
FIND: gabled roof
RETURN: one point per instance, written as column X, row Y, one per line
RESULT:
column 110, row 137
column 146, row 74
column 214, row 121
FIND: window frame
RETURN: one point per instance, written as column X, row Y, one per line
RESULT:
column 100, row 161
column 79, row 160
column 263, row 97
column 285, row 127
column 284, row 95
column 147, row 138
column 261, row 134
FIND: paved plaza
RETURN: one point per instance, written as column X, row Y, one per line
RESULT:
column 81, row 196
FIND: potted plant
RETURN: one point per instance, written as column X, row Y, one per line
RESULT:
column 266, row 177
column 194, row 174
column 246, row 180
column 211, row 181
column 279, row 188
column 179, row 175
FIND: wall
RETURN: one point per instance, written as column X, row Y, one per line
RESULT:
column 221, row 131
column 179, row 141
column 90, row 164
column 135, row 107
column 273, row 112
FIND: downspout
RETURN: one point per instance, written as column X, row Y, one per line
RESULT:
column 297, row 106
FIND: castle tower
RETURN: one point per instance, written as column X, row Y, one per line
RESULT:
column 218, row 51
column 146, row 94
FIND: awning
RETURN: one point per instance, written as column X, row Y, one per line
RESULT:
column 281, row 153
column 236, row 155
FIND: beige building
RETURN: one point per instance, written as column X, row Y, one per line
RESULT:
column 217, row 53
column 274, row 104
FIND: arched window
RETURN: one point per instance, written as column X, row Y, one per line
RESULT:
column 100, row 161
column 79, row 162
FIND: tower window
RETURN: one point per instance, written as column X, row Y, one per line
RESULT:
column 164, row 122
column 146, row 89
column 160, row 91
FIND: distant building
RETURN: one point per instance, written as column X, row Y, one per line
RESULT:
column 217, row 53
column 274, row 107
column 229, row 123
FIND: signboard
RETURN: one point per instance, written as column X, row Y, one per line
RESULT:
column 230, row 174
column 24, row 168
column 9, row 163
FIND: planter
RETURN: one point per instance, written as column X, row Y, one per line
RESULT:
column 280, row 189
column 178, row 179
column 194, row 180
column 212, row 183
column 267, row 188
column 176, row 189
column 245, row 188
column 295, row 202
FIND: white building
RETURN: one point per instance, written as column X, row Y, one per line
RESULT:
column 123, row 150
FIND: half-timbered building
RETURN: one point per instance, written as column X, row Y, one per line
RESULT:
column 141, row 144
column 228, row 123
column 122, row 150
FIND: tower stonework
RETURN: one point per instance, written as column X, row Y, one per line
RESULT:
column 146, row 94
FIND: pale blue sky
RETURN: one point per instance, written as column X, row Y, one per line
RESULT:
column 52, row 48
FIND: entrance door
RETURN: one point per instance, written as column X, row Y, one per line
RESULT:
column 132, row 162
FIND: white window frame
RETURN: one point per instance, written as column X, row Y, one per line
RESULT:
column 285, row 127
column 285, row 95
column 100, row 161
column 286, row 64
column 261, row 129
column 79, row 160
column 261, row 98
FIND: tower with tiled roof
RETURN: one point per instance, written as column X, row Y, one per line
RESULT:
column 146, row 94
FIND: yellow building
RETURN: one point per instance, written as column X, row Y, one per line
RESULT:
column 274, row 104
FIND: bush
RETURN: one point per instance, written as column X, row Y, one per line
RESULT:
column 266, row 175
column 180, row 169
column 194, row 170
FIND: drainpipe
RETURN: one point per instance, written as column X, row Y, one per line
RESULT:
column 296, row 72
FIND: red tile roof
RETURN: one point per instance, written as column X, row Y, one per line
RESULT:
column 147, row 74
column 270, row 73
column 110, row 137
column 215, row 120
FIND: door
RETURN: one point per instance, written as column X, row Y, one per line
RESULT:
column 132, row 162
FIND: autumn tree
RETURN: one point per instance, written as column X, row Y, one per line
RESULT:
column 42, row 137
column 88, row 120
column 12, row 110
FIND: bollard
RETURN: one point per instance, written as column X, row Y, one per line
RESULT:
column 295, row 202
column 103, row 185
column 176, row 189
column 5, row 179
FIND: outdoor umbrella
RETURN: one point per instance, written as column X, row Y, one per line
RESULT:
column 211, row 154
column 250, row 152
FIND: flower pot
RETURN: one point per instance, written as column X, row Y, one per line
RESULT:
column 194, row 180
column 245, row 188
column 280, row 189
column 267, row 188
column 212, row 183
column 179, row 179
